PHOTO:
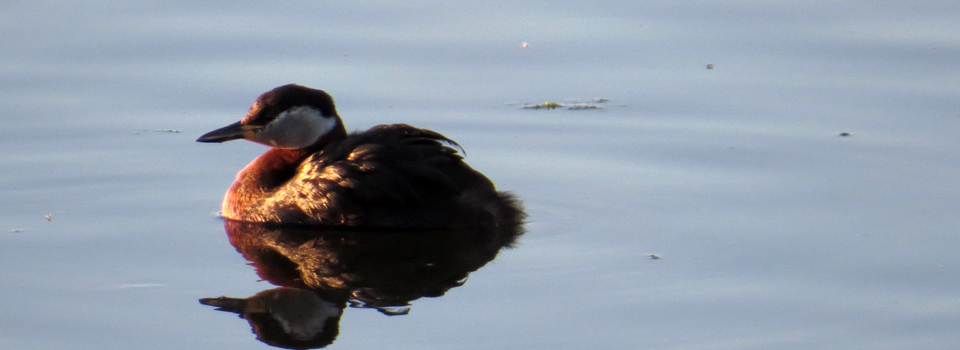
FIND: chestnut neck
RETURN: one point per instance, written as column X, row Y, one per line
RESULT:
column 267, row 172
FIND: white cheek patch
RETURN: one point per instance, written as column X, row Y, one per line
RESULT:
column 297, row 127
column 309, row 318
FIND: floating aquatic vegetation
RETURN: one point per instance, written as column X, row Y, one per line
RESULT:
column 594, row 103
column 547, row 105
column 584, row 106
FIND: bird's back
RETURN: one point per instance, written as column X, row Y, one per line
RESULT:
column 388, row 176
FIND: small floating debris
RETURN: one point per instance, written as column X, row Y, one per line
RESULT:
column 653, row 256
column 18, row 230
column 709, row 65
column 547, row 105
column 844, row 134
column 49, row 217
column 524, row 45
column 584, row 106
column 593, row 103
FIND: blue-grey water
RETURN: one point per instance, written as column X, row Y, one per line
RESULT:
column 772, row 230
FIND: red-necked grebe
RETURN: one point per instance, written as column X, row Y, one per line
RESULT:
column 318, row 174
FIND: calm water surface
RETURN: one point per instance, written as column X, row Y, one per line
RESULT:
column 772, row 230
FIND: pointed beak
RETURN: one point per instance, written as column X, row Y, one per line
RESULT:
column 230, row 132
column 235, row 305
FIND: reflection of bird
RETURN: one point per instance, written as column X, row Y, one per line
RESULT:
column 322, row 270
column 378, row 266
column 317, row 174
column 291, row 318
